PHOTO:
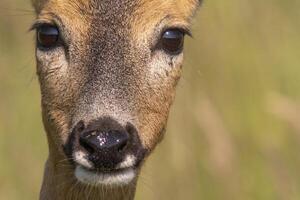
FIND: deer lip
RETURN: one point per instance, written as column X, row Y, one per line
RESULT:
column 128, row 162
column 122, row 176
column 105, row 171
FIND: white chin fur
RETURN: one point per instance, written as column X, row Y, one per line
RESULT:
column 123, row 177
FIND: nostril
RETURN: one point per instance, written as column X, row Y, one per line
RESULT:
column 122, row 145
column 79, row 127
column 130, row 129
column 84, row 142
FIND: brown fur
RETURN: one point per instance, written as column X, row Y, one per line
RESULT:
column 109, row 47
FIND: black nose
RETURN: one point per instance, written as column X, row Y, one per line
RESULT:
column 106, row 142
column 112, row 141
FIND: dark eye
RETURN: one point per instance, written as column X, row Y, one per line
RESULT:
column 47, row 36
column 172, row 41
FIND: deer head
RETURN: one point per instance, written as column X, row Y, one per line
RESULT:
column 108, row 71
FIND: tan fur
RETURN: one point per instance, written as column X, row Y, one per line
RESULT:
column 153, row 78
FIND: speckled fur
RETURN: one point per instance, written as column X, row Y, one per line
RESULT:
column 108, row 69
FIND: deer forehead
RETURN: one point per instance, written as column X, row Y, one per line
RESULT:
column 136, row 13
column 184, row 5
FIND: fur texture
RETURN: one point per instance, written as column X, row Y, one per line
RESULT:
column 108, row 66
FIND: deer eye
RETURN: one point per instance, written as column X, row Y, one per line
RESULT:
column 47, row 36
column 172, row 41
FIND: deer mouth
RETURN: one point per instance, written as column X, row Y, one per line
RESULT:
column 123, row 174
column 114, row 177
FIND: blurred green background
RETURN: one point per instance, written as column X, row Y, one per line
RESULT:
column 233, row 133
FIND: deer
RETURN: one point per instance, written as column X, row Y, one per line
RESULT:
column 108, row 71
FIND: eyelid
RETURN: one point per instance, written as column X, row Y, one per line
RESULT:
column 51, row 20
column 38, row 24
column 187, row 31
column 184, row 30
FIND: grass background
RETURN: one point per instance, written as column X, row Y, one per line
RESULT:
column 233, row 133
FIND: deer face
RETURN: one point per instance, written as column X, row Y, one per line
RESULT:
column 108, row 71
